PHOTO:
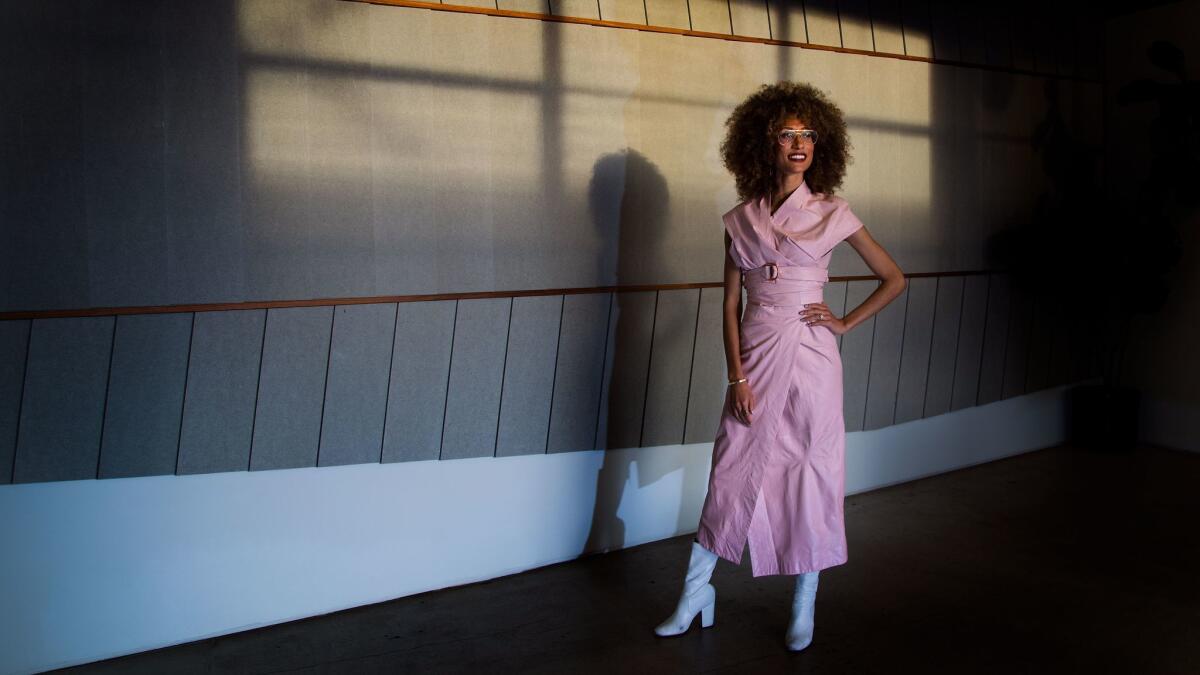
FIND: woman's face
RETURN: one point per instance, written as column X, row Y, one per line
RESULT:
column 796, row 156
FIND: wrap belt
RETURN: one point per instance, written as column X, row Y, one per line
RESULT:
column 790, row 286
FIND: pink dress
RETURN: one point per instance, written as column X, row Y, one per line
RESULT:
column 779, row 482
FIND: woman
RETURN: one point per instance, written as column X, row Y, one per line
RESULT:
column 778, row 466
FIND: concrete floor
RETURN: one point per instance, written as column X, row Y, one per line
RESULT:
column 1055, row 561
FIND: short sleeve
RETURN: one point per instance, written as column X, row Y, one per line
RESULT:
column 829, row 226
column 739, row 247
column 846, row 225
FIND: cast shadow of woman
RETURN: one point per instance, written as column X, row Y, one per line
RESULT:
column 630, row 203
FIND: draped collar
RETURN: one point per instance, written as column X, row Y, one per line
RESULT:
column 793, row 203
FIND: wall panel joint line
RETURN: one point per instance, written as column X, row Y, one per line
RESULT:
column 649, row 363
column 608, row 328
column 503, row 371
column 12, row 478
column 262, row 348
column 449, row 367
column 554, row 374
column 325, row 387
column 687, row 399
column 387, row 394
column 187, row 372
column 112, row 348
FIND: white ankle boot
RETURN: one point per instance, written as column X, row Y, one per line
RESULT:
column 804, row 601
column 698, row 595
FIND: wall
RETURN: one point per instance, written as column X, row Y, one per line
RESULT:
column 1163, row 362
column 259, row 150
column 239, row 151
column 320, row 150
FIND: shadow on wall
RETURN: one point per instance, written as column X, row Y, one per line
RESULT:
column 629, row 202
column 1079, row 229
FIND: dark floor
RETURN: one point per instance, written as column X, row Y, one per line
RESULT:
column 1056, row 561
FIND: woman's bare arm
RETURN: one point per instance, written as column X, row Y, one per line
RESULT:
column 741, row 400
column 732, row 314
column 884, row 267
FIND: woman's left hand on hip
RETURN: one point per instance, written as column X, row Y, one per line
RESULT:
column 819, row 314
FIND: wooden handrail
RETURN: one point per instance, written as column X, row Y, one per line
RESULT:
column 381, row 299
column 467, row 9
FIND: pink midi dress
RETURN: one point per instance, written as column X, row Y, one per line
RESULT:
column 779, row 482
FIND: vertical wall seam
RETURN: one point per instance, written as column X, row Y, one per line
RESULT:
column 845, row 304
column 262, row 348
column 449, row 368
column 962, row 298
column 554, row 374
column 688, row 4
column 987, row 309
column 608, row 328
column 729, row 9
column 871, row 24
column 112, row 348
column 937, row 286
column 870, row 358
column 387, row 394
column 687, row 399
column 900, row 365
column 804, row 15
column 903, row 39
column 187, row 372
column 645, row 12
column 12, row 478
column 1008, row 329
column 163, row 106
column 837, row 8
column 649, row 362
column 325, row 389
column 503, row 372
column 770, row 30
column 933, row 54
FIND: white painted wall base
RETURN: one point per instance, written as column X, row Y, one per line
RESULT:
column 101, row 568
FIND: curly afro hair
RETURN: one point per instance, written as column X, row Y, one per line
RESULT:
column 749, row 148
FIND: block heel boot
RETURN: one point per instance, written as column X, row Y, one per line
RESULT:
column 804, row 601
column 698, row 597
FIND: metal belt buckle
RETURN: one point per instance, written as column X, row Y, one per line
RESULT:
column 772, row 272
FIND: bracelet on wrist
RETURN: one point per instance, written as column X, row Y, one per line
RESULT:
column 733, row 382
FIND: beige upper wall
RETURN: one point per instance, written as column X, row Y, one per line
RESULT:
column 942, row 155
column 315, row 149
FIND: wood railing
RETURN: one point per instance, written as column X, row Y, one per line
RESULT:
column 733, row 36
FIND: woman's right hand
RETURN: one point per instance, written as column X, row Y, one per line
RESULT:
column 742, row 400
